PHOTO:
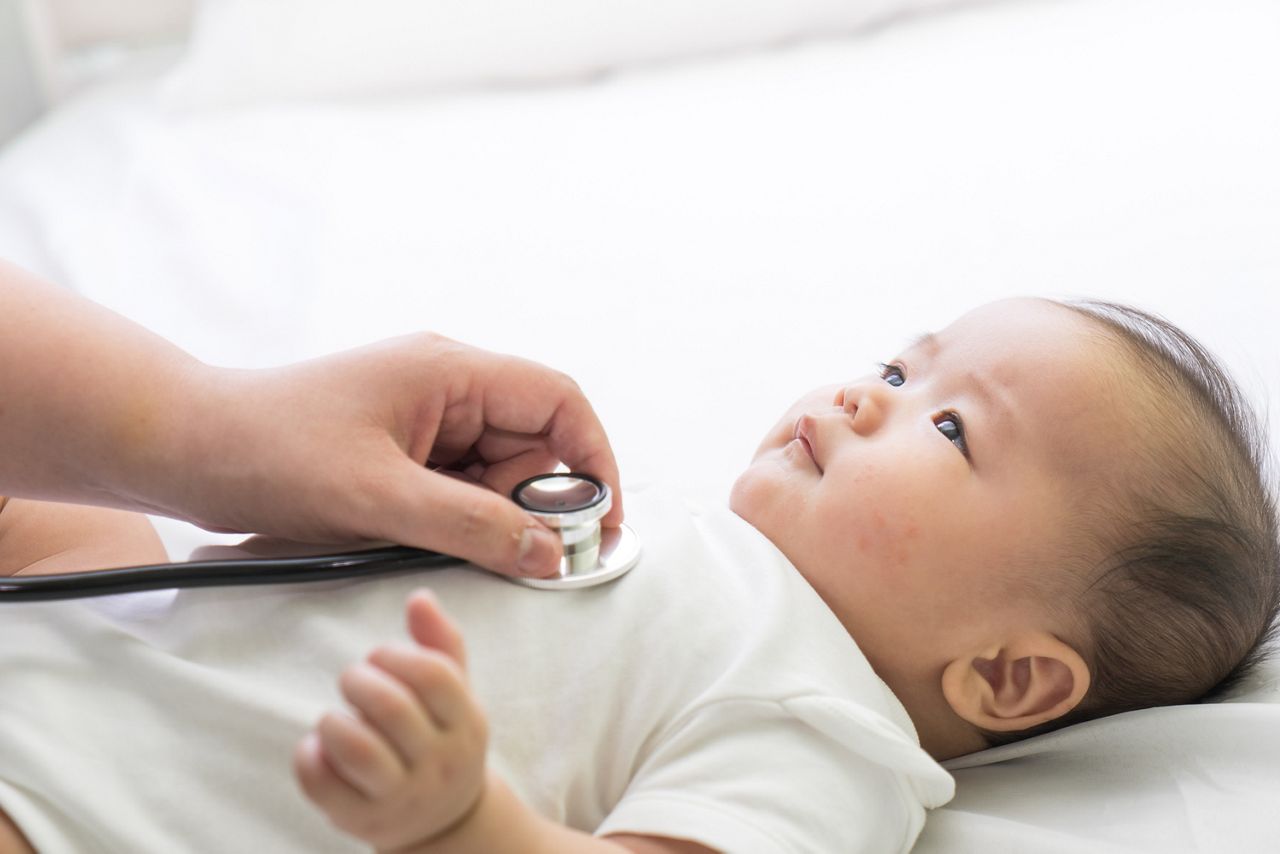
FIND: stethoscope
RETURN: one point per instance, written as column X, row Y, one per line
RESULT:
column 570, row 504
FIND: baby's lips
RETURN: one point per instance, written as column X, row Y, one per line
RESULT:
column 806, row 432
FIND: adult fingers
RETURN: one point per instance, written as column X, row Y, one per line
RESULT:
column 573, row 438
column 526, row 397
column 503, row 476
column 445, row 514
column 496, row 444
column 524, row 460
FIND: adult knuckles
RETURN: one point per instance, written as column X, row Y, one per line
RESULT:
column 544, row 375
column 429, row 341
column 443, row 352
column 474, row 518
column 568, row 384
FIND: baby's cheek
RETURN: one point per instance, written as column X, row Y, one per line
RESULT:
column 888, row 543
column 882, row 535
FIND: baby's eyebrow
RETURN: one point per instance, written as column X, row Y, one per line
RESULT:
column 928, row 340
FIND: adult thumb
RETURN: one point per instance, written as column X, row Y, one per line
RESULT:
column 472, row 522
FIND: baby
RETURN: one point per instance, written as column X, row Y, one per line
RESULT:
column 1040, row 515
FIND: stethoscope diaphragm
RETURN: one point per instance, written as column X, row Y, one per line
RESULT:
column 572, row 505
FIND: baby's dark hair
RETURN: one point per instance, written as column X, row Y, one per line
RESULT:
column 1183, row 605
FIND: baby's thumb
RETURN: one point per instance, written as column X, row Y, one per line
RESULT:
column 431, row 627
column 469, row 521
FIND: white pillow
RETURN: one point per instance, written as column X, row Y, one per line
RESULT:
column 250, row 50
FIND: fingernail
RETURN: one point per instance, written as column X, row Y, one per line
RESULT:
column 538, row 552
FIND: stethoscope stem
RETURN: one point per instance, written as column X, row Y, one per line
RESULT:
column 222, row 573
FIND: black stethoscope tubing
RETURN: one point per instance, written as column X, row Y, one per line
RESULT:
column 222, row 573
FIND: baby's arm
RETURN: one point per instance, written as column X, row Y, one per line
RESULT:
column 43, row 538
column 409, row 775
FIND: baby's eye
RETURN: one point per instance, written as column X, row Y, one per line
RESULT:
column 949, row 425
column 892, row 374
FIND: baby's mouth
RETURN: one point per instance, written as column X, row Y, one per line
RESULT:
column 803, row 432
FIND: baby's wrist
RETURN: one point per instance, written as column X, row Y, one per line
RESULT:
column 439, row 841
column 496, row 823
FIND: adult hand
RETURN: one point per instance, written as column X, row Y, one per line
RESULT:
column 94, row 409
column 418, row 440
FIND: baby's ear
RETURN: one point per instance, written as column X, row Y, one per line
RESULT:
column 1026, row 681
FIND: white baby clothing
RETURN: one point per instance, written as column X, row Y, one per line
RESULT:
column 709, row 694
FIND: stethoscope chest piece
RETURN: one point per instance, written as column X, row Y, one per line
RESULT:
column 572, row 505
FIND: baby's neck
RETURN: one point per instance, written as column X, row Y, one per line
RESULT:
column 942, row 733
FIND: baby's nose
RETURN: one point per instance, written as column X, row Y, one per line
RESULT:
column 865, row 404
column 846, row 401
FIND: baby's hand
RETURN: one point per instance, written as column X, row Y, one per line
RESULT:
column 410, row 767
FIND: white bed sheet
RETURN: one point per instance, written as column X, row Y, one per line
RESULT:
column 700, row 243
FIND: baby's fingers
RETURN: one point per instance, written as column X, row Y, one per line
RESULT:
column 322, row 784
column 391, row 707
column 430, row 626
column 434, row 679
column 359, row 755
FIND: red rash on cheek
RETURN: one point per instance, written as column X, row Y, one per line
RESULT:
column 901, row 552
column 888, row 545
column 910, row 533
column 865, row 539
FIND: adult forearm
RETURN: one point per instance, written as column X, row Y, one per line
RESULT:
column 92, row 405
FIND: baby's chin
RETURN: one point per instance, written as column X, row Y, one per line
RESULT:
column 755, row 491
column 740, row 494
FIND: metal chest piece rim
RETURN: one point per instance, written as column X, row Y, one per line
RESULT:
column 572, row 505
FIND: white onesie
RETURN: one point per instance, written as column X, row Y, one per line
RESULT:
column 709, row 695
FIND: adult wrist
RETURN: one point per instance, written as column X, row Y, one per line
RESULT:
column 168, row 437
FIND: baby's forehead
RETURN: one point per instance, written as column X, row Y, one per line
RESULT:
column 1025, row 326
column 1032, row 342
column 1002, row 344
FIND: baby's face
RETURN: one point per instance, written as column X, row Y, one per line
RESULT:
column 919, row 500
